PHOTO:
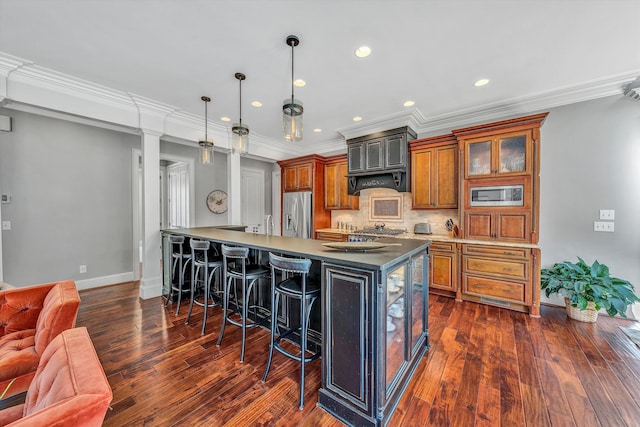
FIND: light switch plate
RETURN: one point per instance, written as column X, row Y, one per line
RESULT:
column 603, row 226
column 607, row 214
column 6, row 225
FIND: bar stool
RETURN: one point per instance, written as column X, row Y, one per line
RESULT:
column 249, row 274
column 294, row 285
column 202, row 262
column 181, row 261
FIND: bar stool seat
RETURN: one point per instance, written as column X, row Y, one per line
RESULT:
column 236, row 266
column 295, row 284
column 205, row 263
column 180, row 260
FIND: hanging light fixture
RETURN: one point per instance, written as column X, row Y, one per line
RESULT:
column 205, row 152
column 240, row 140
column 292, row 108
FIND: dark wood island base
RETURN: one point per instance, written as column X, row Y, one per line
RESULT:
column 373, row 318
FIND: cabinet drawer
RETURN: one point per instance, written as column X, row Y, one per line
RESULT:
column 484, row 287
column 496, row 267
column 442, row 246
column 501, row 251
column 333, row 237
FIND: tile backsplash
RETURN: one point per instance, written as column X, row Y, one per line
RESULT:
column 360, row 218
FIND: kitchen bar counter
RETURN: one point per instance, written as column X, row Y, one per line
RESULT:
column 374, row 318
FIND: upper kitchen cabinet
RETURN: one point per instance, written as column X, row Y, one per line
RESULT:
column 336, row 184
column 434, row 173
column 382, row 151
column 507, row 148
column 297, row 177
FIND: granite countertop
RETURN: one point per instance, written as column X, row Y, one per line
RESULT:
column 314, row 249
column 435, row 238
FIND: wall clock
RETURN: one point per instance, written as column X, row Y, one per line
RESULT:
column 217, row 201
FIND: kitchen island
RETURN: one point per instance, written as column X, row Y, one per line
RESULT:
column 373, row 313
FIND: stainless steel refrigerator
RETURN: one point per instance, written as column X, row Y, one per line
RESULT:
column 296, row 215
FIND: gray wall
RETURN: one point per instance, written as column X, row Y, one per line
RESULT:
column 590, row 161
column 71, row 206
column 267, row 168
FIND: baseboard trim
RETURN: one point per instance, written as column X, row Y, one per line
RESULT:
column 98, row 282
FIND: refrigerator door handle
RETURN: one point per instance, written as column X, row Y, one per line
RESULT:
column 294, row 210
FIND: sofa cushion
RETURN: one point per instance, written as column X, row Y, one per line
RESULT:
column 19, row 308
column 18, row 359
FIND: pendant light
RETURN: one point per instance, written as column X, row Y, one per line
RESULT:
column 292, row 108
column 205, row 152
column 240, row 140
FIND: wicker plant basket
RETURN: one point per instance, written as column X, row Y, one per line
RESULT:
column 590, row 314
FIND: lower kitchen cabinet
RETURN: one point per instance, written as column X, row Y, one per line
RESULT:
column 443, row 268
column 499, row 275
column 509, row 226
column 332, row 237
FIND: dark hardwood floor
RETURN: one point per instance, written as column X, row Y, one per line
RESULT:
column 487, row 367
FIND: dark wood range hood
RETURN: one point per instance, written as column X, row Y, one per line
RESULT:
column 380, row 160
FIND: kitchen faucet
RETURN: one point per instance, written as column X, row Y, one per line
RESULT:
column 269, row 225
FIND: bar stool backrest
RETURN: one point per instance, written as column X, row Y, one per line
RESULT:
column 290, row 265
column 176, row 244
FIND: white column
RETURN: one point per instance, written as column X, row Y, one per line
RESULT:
column 151, row 281
column 234, row 199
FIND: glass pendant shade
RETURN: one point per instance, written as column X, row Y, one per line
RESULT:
column 292, row 119
column 292, row 108
column 205, row 145
column 205, row 152
column 240, row 141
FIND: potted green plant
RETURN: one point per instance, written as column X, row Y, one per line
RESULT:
column 587, row 289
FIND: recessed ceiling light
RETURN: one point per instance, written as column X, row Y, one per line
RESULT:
column 317, row 130
column 363, row 51
column 408, row 104
column 256, row 104
column 357, row 118
column 225, row 119
column 481, row 82
column 299, row 83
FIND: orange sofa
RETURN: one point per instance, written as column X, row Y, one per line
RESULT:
column 30, row 318
column 69, row 387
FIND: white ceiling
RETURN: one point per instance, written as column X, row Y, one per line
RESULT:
column 430, row 52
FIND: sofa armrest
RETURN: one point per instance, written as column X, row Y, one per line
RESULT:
column 59, row 312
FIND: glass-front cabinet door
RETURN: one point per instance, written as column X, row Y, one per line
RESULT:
column 418, row 289
column 395, row 322
column 502, row 155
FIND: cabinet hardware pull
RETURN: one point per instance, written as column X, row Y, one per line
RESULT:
column 509, row 269
column 510, row 253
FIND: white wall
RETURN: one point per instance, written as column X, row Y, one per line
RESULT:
column 590, row 160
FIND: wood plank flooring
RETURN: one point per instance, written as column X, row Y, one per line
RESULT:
column 487, row 367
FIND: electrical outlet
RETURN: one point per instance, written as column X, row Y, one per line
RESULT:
column 603, row 226
column 83, row 269
column 607, row 214
column 6, row 225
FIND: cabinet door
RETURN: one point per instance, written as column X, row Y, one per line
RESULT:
column 478, row 158
column 443, row 271
column 344, row 199
column 374, row 154
column 290, row 178
column 421, row 162
column 356, row 157
column 513, row 226
column 395, row 148
column 331, row 186
column 445, row 176
column 512, row 154
column 478, row 225
column 305, row 177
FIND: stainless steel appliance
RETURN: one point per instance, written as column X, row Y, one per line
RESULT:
column 297, row 214
column 422, row 228
column 500, row 195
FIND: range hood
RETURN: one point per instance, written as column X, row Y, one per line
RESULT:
column 380, row 160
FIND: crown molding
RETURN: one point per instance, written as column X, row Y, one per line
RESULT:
column 412, row 118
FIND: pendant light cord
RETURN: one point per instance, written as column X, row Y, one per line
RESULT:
column 206, row 137
column 292, row 77
column 240, row 80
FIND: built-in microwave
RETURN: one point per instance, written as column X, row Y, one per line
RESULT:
column 500, row 195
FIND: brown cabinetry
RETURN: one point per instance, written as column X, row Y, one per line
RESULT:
column 434, row 173
column 298, row 177
column 336, row 185
column 498, row 275
column 500, row 155
column 513, row 226
column 443, row 268
column 332, row 237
